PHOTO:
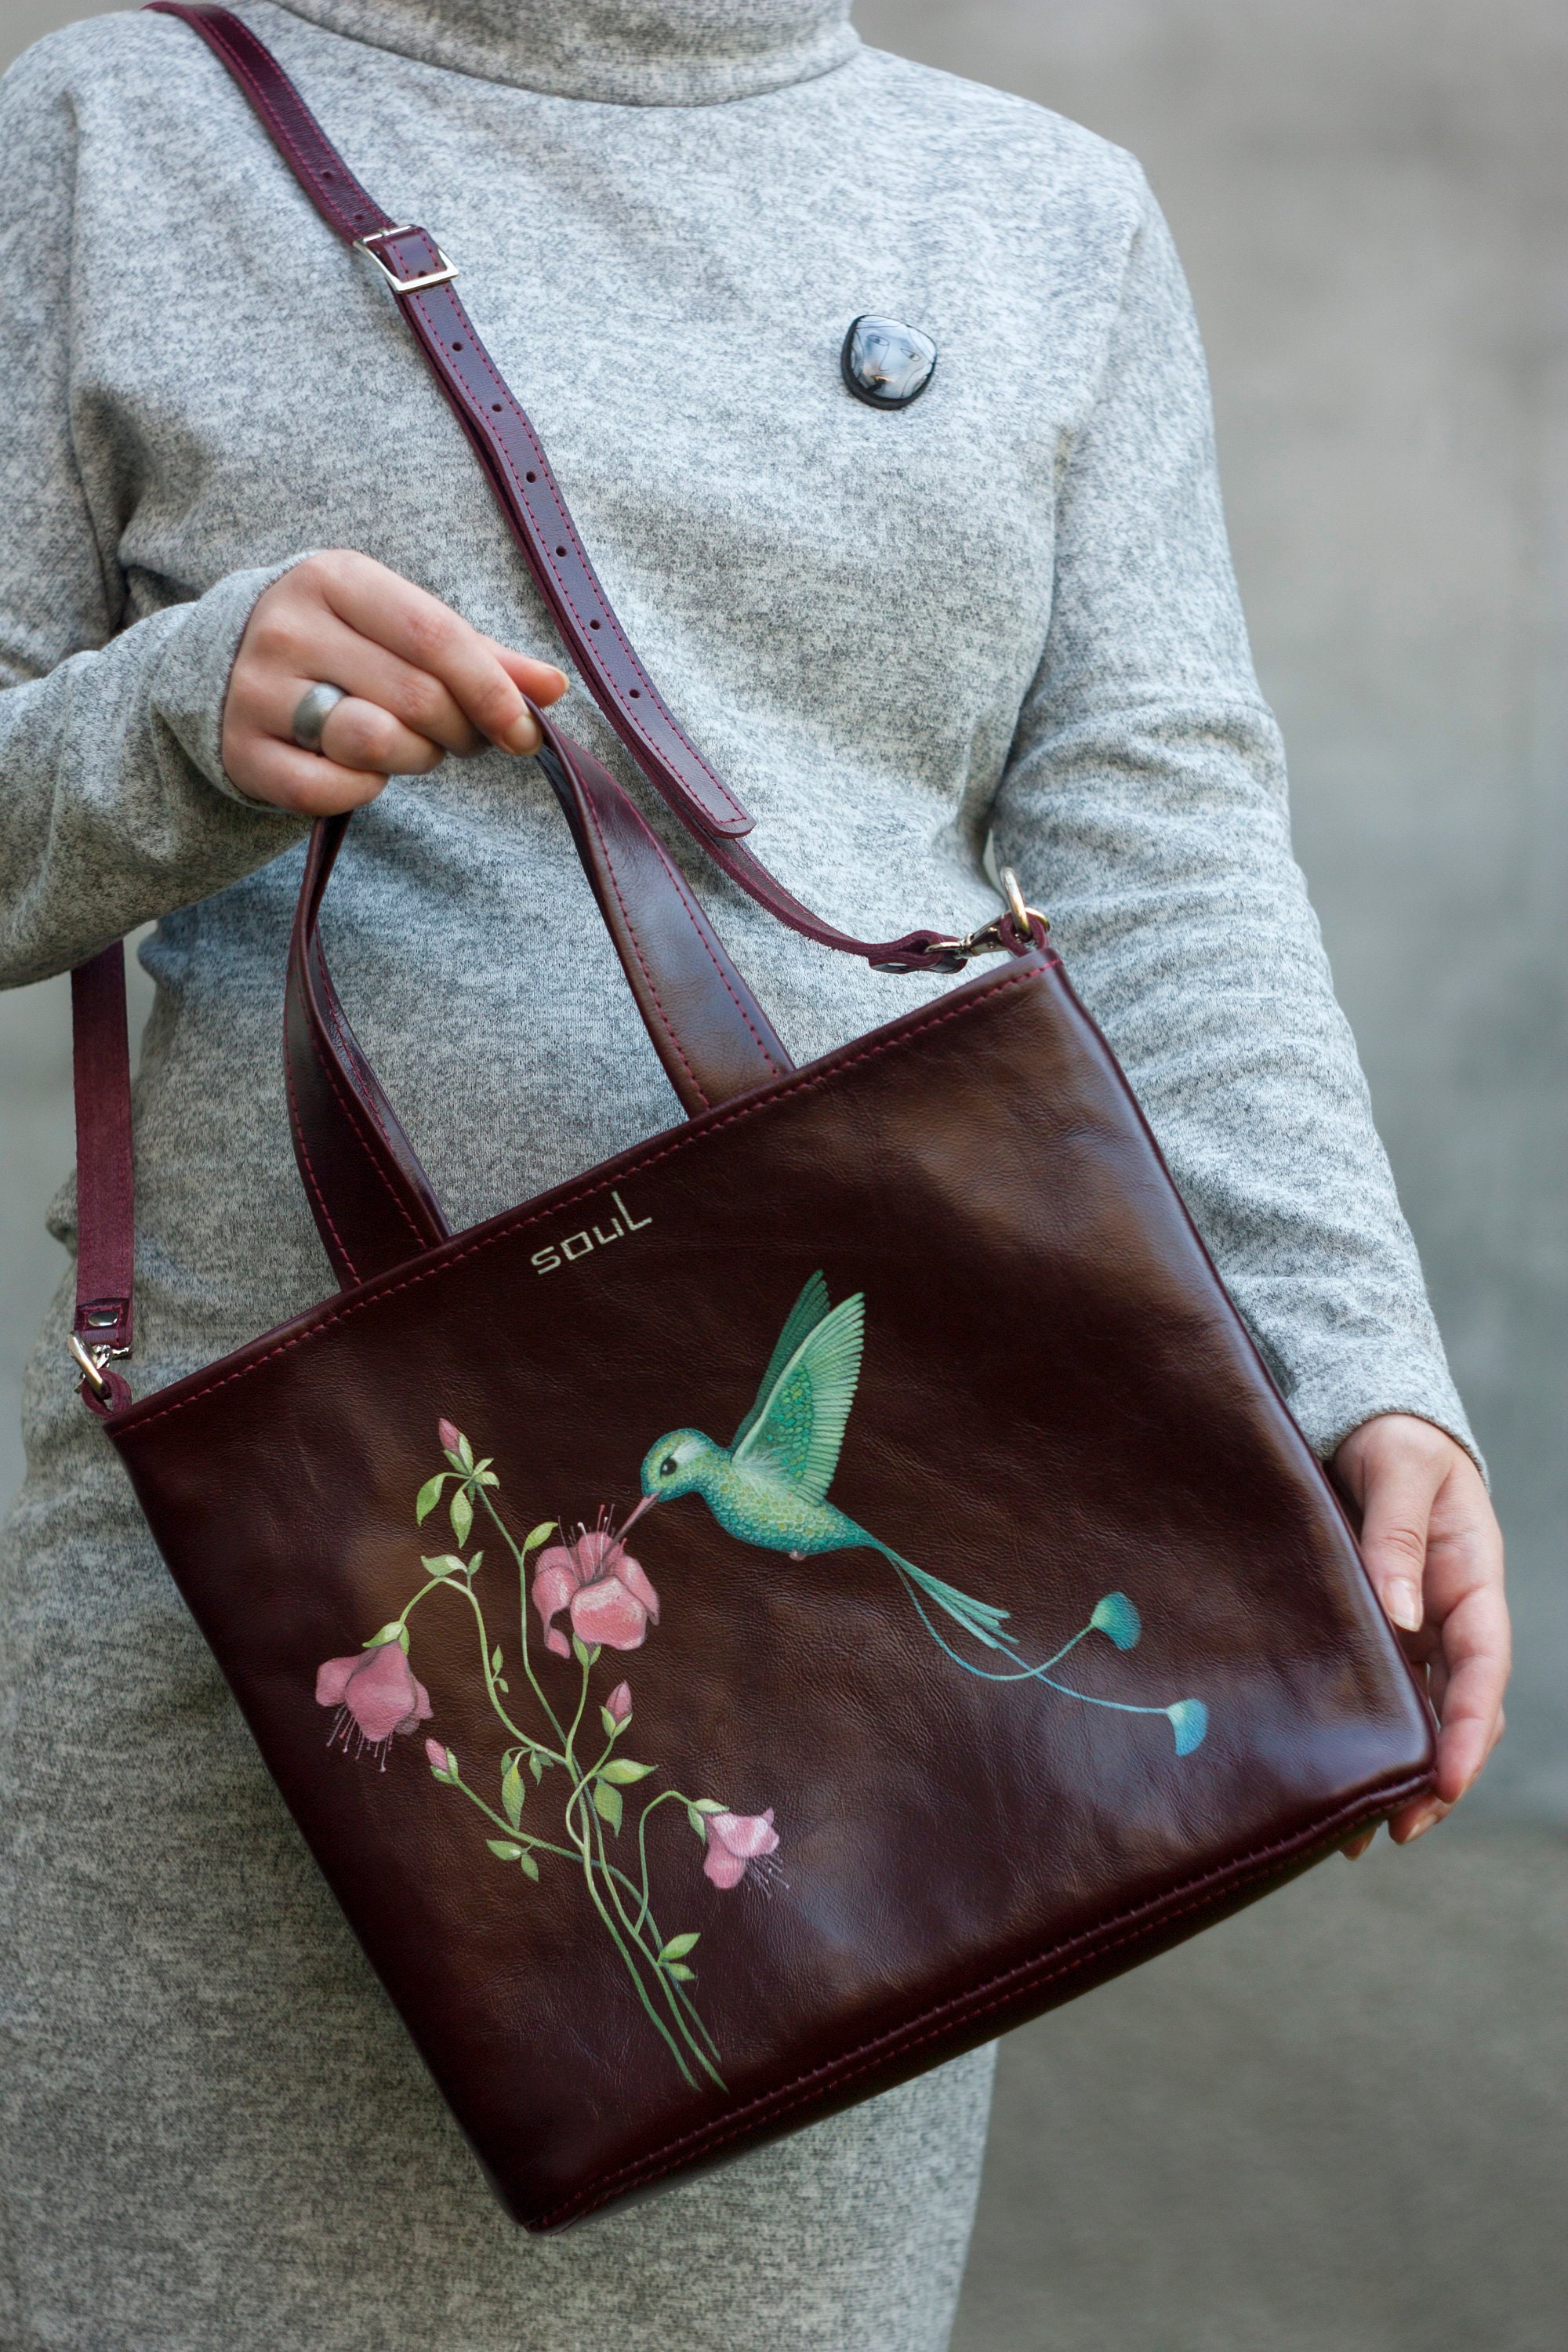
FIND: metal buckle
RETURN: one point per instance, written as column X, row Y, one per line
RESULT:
column 442, row 277
column 988, row 939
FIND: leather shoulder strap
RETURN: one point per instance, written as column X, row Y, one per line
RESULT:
column 519, row 473
column 102, row 1327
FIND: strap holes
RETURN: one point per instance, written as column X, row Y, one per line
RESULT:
column 636, row 694
column 531, row 478
column 593, row 624
column 456, row 347
column 561, row 550
column 495, row 408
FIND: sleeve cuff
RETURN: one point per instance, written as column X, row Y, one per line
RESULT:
column 1329, row 1403
column 190, row 684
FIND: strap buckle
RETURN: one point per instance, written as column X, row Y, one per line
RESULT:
column 442, row 277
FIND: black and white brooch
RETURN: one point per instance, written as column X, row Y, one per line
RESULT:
column 885, row 363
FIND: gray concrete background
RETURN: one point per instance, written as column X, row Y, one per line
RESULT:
column 1339, row 2123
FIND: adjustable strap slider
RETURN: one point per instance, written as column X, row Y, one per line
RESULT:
column 416, row 285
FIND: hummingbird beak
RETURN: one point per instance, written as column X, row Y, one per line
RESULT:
column 647, row 1504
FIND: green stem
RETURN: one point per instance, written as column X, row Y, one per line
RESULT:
column 632, row 1968
column 522, row 1837
column 646, row 1912
column 506, row 1538
column 472, row 1599
column 651, row 1807
column 672, row 1991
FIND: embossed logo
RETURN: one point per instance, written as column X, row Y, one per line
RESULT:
column 572, row 1246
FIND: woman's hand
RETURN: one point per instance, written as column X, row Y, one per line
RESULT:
column 1433, row 1551
column 419, row 683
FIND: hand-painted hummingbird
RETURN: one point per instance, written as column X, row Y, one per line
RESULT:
column 769, row 1488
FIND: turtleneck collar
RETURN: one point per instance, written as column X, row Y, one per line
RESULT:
column 625, row 52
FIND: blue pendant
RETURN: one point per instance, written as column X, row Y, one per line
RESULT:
column 885, row 364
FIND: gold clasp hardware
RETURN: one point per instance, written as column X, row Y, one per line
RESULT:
column 442, row 277
column 92, row 1361
column 988, row 939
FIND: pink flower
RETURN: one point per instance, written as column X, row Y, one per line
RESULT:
column 375, row 1694
column 450, row 1436
column 609, row 1598
column 441, row 1758
column 619, row 1705
column 735, row 1842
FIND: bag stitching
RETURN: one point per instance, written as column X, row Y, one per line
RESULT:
column 927, row 2025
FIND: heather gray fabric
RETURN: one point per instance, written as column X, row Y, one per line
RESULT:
column 1010, row 607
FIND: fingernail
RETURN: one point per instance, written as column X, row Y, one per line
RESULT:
column 1403, row 1602
column 1356, row 1846
column 1427, row 1818
column 521, row 737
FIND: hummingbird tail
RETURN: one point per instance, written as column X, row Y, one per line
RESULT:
column 978, row 1619
column 1188, row 1717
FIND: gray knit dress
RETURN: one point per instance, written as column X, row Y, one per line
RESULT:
column 1007, row 611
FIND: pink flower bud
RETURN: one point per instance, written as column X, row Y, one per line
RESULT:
column 619, row 1703
column 451, row 1438
column 441, row 1758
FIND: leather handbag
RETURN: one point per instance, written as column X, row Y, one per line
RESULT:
column 808, row 1594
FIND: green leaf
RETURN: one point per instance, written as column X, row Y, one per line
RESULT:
column 578, row 1650
column 444, row 1563
column 502, row 1684
column 695, row 1818
column 612, row 1728
column 504, row 1849
column 607, row 1804
column 465, row 1451
column 462, row 1512
column 528, row 1866
column 623, row 1771
column 679, row 1969
column 536, row 1764
column 679, row 1945
column 537, row 1535
column 495, row 1659
column 487, row 1478
column 395, row 1632
column 428, row 1496
column 710, row 1805
column 513, row 1789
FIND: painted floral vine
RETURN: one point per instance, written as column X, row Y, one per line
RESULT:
column 561, row 1784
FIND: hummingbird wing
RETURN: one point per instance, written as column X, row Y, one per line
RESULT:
column 796, row 1428
column 806, row 1314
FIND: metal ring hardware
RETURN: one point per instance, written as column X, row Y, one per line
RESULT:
column 90, row 1362
column 989, row 939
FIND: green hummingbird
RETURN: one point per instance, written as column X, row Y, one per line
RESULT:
column 769, row 1488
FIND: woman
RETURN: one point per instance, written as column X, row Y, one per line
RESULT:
column 1006, row 610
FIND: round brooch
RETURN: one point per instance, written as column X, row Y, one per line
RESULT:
column 885, row 363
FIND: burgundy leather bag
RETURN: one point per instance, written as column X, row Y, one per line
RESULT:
column 806, row 1595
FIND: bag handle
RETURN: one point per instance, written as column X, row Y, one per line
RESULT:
column 373, row 1203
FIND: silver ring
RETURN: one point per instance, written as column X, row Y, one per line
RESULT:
column 316, row 707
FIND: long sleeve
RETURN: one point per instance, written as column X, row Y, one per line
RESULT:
column 1144, row 805
column 116, row 808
